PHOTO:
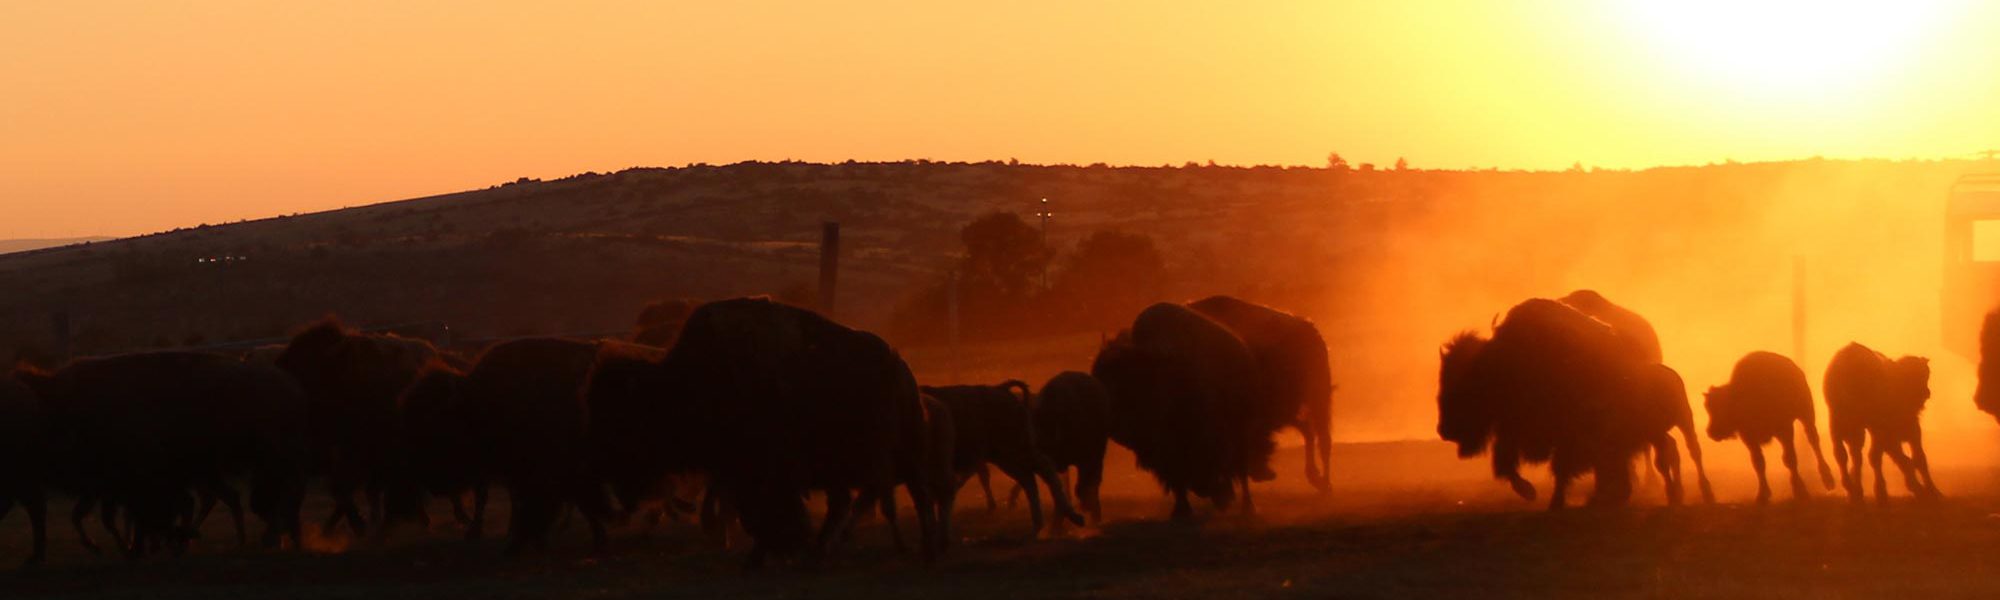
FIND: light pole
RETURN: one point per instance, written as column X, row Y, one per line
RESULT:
column 1044, row 215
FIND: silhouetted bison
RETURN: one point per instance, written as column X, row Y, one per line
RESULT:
column 1183, row 398
column 1554, row 384
column 789, row 402
column 1072, row 424
column 440, row 453
column 1987, row 395
column 142, row 430
column 994, row 426
column 1292, row 363
column 1868, row 397
column 525, row 402
column 352, row 382
column 641, row 441
column 24, row 462
column 1766, row 393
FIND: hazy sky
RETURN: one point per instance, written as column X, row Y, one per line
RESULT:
column 120, row 117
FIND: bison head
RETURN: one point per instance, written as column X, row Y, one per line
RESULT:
column 1721, row 413
column 1913, row 381
column 1464, row 414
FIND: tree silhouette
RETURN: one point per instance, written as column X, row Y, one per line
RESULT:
column 1112, row 275
column 1003, row 255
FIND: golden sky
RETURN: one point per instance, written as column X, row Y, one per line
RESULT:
column 120, row 117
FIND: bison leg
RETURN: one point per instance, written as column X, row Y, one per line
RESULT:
column 1875, row 452
column 1910, row 480
column 1090, row 477
column 1789, row 453
column 986, row 486
column 1249, row 505
column 36, row 502
column 1693, row 441
column 1757, row 464
column 1183, row 511
column 1026, row 479
column 1812, row 439
column 1667, row 461
column 1058, row 489
column 1314, row 474
column 1922, row 462
column 839, row 511
column 1507, row 466
column 77, row 515
column 476, row 528
column 1846, row 447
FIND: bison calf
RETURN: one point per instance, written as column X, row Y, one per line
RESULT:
column 1870, row 396
column 1766, row 393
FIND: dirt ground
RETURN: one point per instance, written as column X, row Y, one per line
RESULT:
column 1405, row 520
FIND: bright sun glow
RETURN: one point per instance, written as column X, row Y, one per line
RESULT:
column 1792, row 46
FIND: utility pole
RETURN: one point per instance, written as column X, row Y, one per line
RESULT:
column 951, row 322
column 1799, row 309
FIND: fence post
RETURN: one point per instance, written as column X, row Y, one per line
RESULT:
column 829, row 265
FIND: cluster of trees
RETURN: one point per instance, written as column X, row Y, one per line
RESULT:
column 1012, row 284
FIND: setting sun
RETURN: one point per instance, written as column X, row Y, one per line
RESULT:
column 1793, row 47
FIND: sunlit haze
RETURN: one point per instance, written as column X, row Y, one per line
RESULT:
column 122, row 117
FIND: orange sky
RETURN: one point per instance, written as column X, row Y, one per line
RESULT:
column 120, row 117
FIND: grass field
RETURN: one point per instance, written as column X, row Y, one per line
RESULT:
column 1407, row 520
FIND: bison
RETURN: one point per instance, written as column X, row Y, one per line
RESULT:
column 1870, row 397
column 1555, row 385
column 142, row 431
column 440, row 451
column 993, row 425
column 641, row 461
column 1072, row 425
column 784, row 402
column 1292, row 363
column 1766, row 393
column 524, row 404
column 353, row 381
column 1987, row 395
column 24, row 457
column 1183, row 398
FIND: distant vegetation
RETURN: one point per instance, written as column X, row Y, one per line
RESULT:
column 1389, row 261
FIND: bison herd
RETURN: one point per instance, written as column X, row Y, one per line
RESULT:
column 741, row 411
column 1577, row 383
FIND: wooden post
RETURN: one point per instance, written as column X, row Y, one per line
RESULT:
column 1799, row 310
column 829, row 265
column 951, row 323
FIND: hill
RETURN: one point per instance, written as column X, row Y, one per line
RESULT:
column 1389, row 263
column 24, row 245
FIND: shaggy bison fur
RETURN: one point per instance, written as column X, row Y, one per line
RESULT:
column 787, row 402
column 1292, row 363
column 1766, row 393
column 1183, row 398
column 1556, row 385
column 352, row 382
column 1870, row 398
column 993, row 425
